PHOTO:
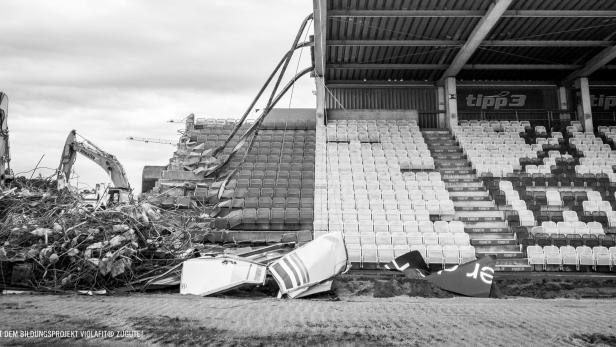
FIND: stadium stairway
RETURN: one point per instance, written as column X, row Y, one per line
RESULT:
column 484, row 222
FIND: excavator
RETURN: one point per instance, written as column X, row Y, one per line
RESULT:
column 119, row 194
column 6, row 175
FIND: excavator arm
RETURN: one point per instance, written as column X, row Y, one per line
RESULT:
column 108, row 162
column 5, row 157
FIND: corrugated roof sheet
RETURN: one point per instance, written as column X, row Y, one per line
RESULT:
column 459, row 29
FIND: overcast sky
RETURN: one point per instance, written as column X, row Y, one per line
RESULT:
column 118, row 68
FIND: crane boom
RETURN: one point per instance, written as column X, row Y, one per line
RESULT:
column 150, row 140
column 108, row 162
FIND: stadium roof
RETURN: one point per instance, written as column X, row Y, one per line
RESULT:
column 475, row 40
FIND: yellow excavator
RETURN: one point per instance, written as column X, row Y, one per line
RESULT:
column 119, row 194
column 6, row 175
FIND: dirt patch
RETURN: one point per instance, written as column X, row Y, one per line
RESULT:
column 596, row 339
column 386, row 288
column 166, row 330
column 539, row 288
column 573, row 288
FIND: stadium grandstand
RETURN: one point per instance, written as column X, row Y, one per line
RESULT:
column 456, row 128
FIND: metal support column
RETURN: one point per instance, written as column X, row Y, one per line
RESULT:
column 451, row 102
column 586, row 111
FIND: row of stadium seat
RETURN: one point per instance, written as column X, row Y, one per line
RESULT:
column 581, row 256
column 433, row 254
column 402, row 238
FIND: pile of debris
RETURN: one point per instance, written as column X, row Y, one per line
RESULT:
column 50, row 241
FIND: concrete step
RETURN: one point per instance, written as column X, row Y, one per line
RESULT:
column 453, row 163
column 497, row 248
column 473, row 208
column 460, row 185
column 495, row 242
column 479, row 219
column 435, row 131
column 443, row 156
column 507, row 235
column 459, row 177
column 457, row 171
column 469, row 198
column 483, row 229
column 480, row 214
column 500, row 254
column 478, row 193
column 461, row 180
column 474, row 204
column 495, row 225
column 513, row 264
column 446, row 150
column 476, row 188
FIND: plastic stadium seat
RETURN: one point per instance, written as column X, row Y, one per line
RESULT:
column 565, row 228
column 369, row 253
column 461, row 239
column 383, row 238
column 354, row 253
column 581, row 228
column 549, row 227
column 441, row 227
column 570, row 216
column 553, row 258
column 430, row 238
column 467, row 253
column 553, row 198
column 352, row 238
column 434, row 254
column 569, row 256
column 426, row 227
column 399, row 239
column 595, row 228
column 537, row 230
column 451, row 254
column 367, row 238
column 385, row 253
column 456, row 227
column 602, row 257
column 411, row 227
column 414, row 238
column 536, row 257
column 401, row 249
column 585, row 256
column 446, row 239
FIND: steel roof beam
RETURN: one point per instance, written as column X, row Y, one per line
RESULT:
column 470, row 13
column 446, row 66
column 320, row 34
column 595, row 63
column 483, row 28
column 457, row 43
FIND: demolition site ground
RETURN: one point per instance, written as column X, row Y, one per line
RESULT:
column 171, row 319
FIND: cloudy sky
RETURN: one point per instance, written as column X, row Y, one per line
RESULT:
column 118, row 68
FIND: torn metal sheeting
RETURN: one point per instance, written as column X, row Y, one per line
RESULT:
column 470, row 279
column 311, row 264
column 207, row 276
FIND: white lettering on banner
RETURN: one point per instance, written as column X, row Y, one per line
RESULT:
column 451, row 269
column 605, row 102
column 504, row 99
column 486, row 274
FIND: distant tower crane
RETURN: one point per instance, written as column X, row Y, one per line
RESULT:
column 151, row 140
